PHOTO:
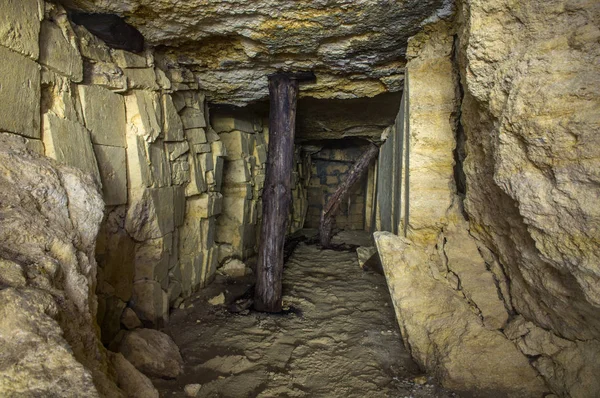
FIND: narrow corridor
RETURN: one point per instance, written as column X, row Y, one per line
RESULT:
column 338, row 339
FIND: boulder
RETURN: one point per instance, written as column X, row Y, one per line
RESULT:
column 130, row 320
column 130, row 380
column 234, row 268
column 192, row 390
column 368, row 259
column 217, row 300
column 152, row 352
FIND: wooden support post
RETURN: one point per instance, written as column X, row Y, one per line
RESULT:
column 333, row 205
column 283, row 92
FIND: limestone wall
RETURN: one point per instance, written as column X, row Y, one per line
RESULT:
column 138, row 127
column 51, row 212
column 245, row 139
column 180, row 196
column 496, row 295
column 301, row 178
column 530, row 115
column 390, row 188
column 143, row 133
column 246, row 154
column 445, row 295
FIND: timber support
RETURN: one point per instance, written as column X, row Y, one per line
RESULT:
column 283, row 94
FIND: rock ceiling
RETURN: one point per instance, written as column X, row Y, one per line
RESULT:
column 355, row 47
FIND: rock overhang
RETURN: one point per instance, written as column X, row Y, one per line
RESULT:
column 355, row 47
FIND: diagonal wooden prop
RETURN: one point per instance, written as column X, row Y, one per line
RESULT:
column 333, row 205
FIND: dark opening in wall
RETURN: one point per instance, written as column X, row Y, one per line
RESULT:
column 459, row 157
column 459, row 152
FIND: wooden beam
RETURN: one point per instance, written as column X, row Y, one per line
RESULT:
column 333, row 205
column 283, row 94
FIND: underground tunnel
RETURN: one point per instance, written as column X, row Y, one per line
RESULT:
column 299, row 199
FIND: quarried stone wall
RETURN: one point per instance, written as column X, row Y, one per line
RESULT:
column 496, row 295
column 51, row 212
column 445, row 295
column 139, row 126
column 245, row 138
column 138, row 129
column 143, row 132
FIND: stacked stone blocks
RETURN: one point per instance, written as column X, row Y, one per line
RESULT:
column 244, row 142
column 139, row 127
column 245, row 138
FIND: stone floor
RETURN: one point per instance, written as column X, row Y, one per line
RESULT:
column 338, row 339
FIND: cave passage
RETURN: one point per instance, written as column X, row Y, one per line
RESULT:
column 339, row 337
column 161, row 163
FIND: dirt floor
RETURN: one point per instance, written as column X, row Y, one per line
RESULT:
column 339, row 337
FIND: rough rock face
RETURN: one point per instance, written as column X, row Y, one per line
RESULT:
column 522, row 272
column 532, row 92
column 444, row 332
column 322, row 119
column 50, row 217
column 531, row 120
column 356, row 47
